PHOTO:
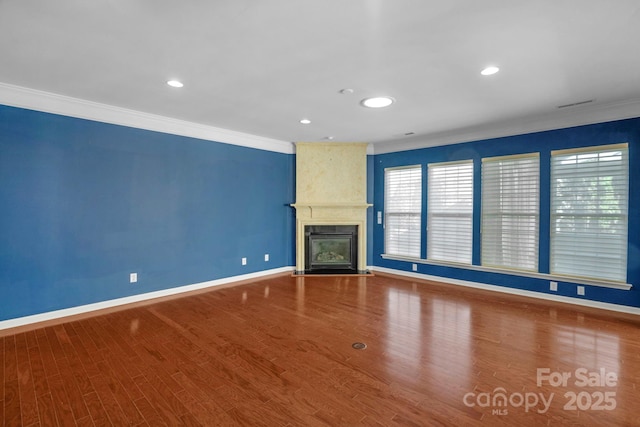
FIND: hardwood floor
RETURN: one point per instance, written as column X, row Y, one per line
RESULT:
column 278, row 352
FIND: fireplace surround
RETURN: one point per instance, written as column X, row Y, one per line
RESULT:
column 331, row 191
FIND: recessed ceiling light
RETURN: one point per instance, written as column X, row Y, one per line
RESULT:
column 346, row 91
column 175, row 83
column 377, row 102
column 305, row 121
column 489, row 71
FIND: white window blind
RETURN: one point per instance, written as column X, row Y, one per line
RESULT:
column 450, row 212
column 403, row 211
column 589, row 205
column 510, row 207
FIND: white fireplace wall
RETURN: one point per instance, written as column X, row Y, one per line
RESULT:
column 331, row 189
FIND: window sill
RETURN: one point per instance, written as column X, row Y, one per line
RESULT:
column 532, row 274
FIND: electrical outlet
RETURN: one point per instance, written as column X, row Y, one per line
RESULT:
column 133, row 278
column 244, row 261
column 266, row 257
column 553, row 286
column 580, row 290
column 414, row 267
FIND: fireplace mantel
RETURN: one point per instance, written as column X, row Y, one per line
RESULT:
column 331, row 205
column 334, row 210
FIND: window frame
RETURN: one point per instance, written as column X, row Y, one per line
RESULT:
column 513, row 196
column 437, row 246
column 414, row 242
column 623, row 249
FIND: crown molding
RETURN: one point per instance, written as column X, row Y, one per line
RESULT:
column 32, row 99
column 559, row 119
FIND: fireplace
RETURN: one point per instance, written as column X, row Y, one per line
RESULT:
column 331, row 249
column 331, row 208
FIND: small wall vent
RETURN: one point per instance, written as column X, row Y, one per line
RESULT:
column 575, row 104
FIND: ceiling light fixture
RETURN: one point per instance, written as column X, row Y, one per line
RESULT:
column 489, row 71
column 305, row 121
column 377, row 102
column 175, row 83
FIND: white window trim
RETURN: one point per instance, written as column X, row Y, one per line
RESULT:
column 580, row 150
column 486, row 160
column 386, row 214
column 430, row 215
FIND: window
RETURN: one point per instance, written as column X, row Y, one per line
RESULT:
column 450, row 212
column 402, row 209
column 510, row 206
column 589, row 203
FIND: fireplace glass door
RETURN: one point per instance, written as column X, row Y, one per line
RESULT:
column 331, row 251
column 331, row 248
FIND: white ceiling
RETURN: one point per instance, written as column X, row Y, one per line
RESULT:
column 258, row 67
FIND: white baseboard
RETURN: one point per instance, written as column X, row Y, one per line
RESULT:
column 57, row 314
column 513, row 291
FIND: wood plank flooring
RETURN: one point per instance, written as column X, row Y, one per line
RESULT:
column 278, row 352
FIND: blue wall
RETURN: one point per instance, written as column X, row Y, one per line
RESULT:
column 542, row 142
column 83, row 204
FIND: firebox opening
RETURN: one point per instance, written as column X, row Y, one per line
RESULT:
column 331, row 249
